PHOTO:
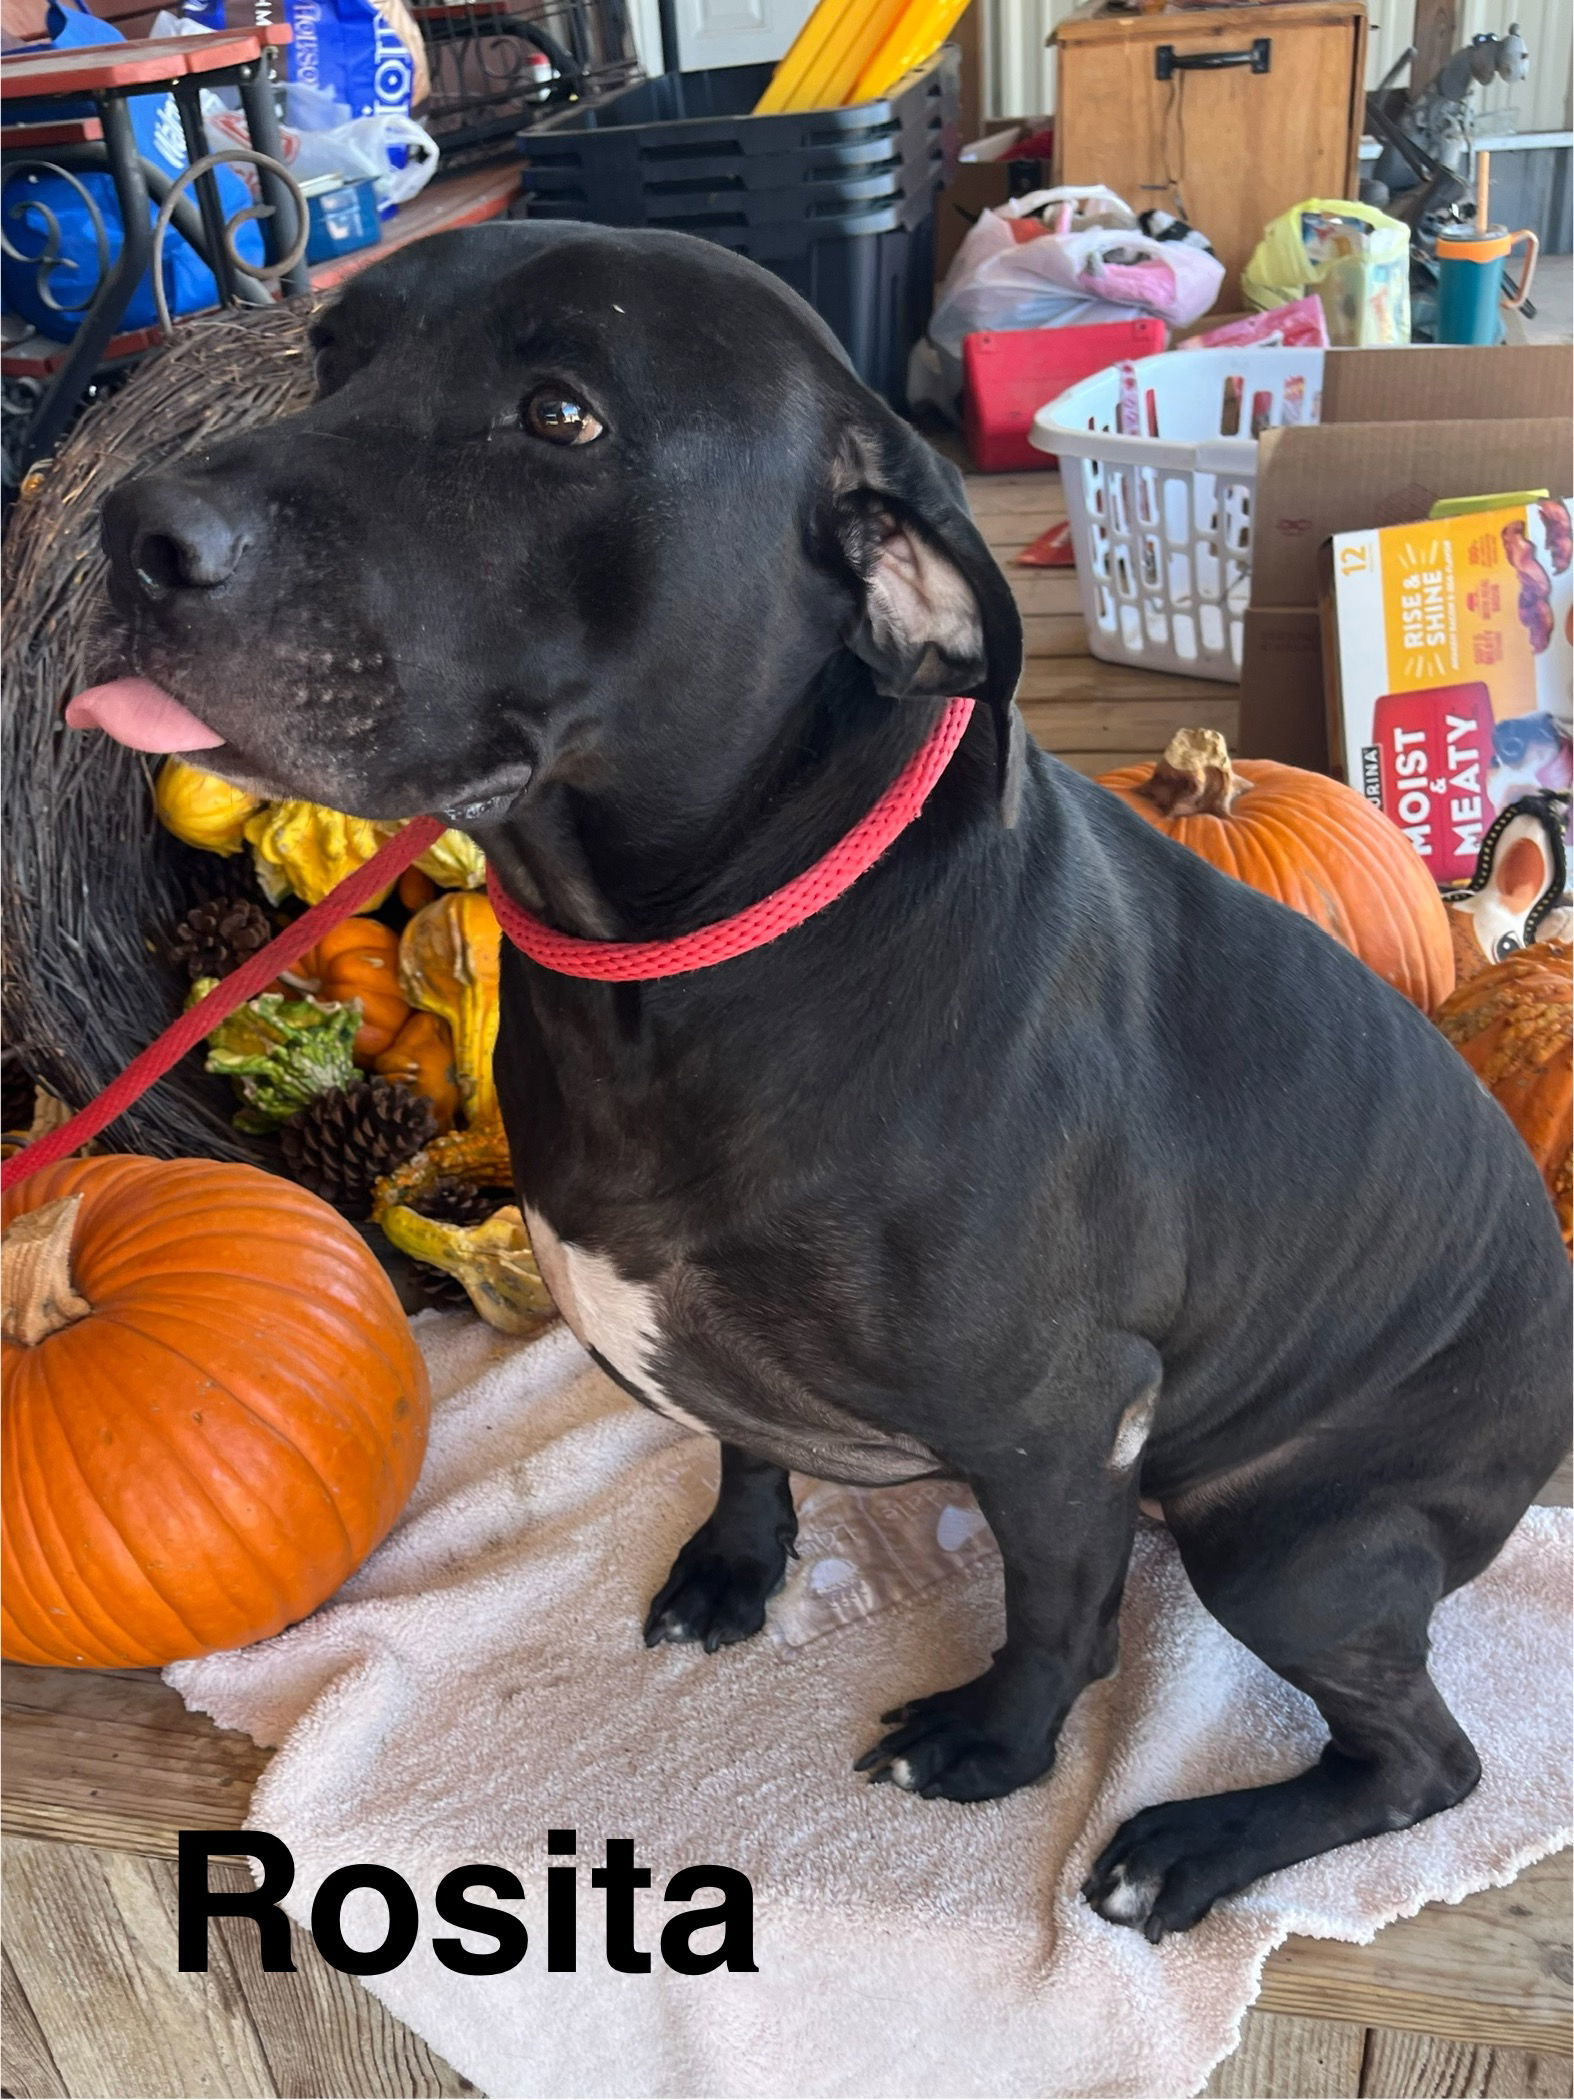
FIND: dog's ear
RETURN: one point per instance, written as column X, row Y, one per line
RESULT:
column 934, row 616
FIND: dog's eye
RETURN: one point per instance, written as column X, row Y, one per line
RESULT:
column 559, row 418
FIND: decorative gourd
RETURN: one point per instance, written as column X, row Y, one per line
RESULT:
column 303, row 849
column 358, row 959
column 1517, row 884
column 1514, row 1026
column 1309, row 842
column 421, row 1056
column 449, row 957
column 477, row 1154
column 281, row 1053
column 454, row 861
column 213, row 1410
column 492, row 1260
column 415, row 889
column 201, row 809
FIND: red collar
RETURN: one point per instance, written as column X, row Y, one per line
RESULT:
column 625, row 962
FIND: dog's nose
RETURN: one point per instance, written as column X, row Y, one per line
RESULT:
column 166, row 536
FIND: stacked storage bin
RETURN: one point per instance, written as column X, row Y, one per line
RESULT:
column 840, row 203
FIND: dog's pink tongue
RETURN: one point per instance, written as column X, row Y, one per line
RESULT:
column 134, row 711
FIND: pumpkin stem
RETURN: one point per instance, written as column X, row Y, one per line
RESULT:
column 1194, row 778
column 37, row 1296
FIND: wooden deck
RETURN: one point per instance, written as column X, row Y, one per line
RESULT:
column 102, row 1770
column 1095, row 716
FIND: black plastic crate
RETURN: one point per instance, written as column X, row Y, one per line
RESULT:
column 698, row 127
column 839, row 203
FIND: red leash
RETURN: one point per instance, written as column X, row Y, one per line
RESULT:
column 386, row 865
column 795, row 901
column 617, row 961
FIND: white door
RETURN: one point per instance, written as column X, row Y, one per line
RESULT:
column 736, row 32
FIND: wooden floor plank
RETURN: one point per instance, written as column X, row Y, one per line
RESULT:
column 1311, row 2059
column 1423, row 2067
column 1491, row 1970
column 1089, row 722
column 92, row 1937
column 113, row 1758
column 28, row 2070
column 324, row 2037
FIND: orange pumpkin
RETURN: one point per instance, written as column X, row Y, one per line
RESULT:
column 358, row 959
column 213, row 1410
column 1309, row 842
column 1513, row 1024
column 421, row 1055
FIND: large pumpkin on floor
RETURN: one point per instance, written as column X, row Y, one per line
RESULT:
column 1514, row 1026
column 1311, row 843
column 213, row 1409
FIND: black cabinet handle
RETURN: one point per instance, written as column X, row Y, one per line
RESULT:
column 1259, row 58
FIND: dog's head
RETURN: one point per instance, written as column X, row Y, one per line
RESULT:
column 567, row 500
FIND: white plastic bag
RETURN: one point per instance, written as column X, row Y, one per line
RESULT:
column 1096, row 267
column 355, row 147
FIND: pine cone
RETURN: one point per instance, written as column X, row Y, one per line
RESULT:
column 453, row 1203
column 341, row 1143
column 215, row 938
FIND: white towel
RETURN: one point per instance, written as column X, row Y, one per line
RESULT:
column 482, row 1679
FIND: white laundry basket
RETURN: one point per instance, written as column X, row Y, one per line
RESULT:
column 1162, row 521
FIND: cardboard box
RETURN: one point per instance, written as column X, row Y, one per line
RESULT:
column 1400, row 430
column 1447, row 652
column 979, row 185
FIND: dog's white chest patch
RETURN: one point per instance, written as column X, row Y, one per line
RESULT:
column 618, row 1318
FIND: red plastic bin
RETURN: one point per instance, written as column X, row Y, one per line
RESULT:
column 1009, row 374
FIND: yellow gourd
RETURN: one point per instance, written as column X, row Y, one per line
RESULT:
column 201, row 809
column 454, row 862
column 448, row 966
column 493, row 1261
column 303, row 849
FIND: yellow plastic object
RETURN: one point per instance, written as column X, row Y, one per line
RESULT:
column 201, row 809
column 792, row 69
column 922, row 29
column 856, row 39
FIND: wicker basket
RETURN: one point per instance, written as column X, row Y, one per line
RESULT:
column 92, row 883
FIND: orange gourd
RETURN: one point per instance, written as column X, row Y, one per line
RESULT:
column 358, row 959
column 421, row 1055
column 213, row 1410
column 1311, row 843
column 1513, row 1024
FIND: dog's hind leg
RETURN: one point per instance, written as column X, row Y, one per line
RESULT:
column 720, row 1582
column 1337, row 1600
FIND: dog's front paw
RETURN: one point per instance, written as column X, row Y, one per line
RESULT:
column 958, row 1746
column 711, row 1597
column 1167, row 1867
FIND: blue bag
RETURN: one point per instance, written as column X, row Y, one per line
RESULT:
column 30, row 194
column 348, row 49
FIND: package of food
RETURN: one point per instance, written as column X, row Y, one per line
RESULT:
column 1449, row 651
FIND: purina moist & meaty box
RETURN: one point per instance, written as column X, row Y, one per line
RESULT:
column 1450, row 644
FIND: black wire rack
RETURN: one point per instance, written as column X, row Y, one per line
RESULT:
column 498, row 66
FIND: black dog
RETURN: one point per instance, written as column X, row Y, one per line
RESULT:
column 1047, row 1158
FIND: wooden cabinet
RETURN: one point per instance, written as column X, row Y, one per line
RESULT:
column 1226, row 116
